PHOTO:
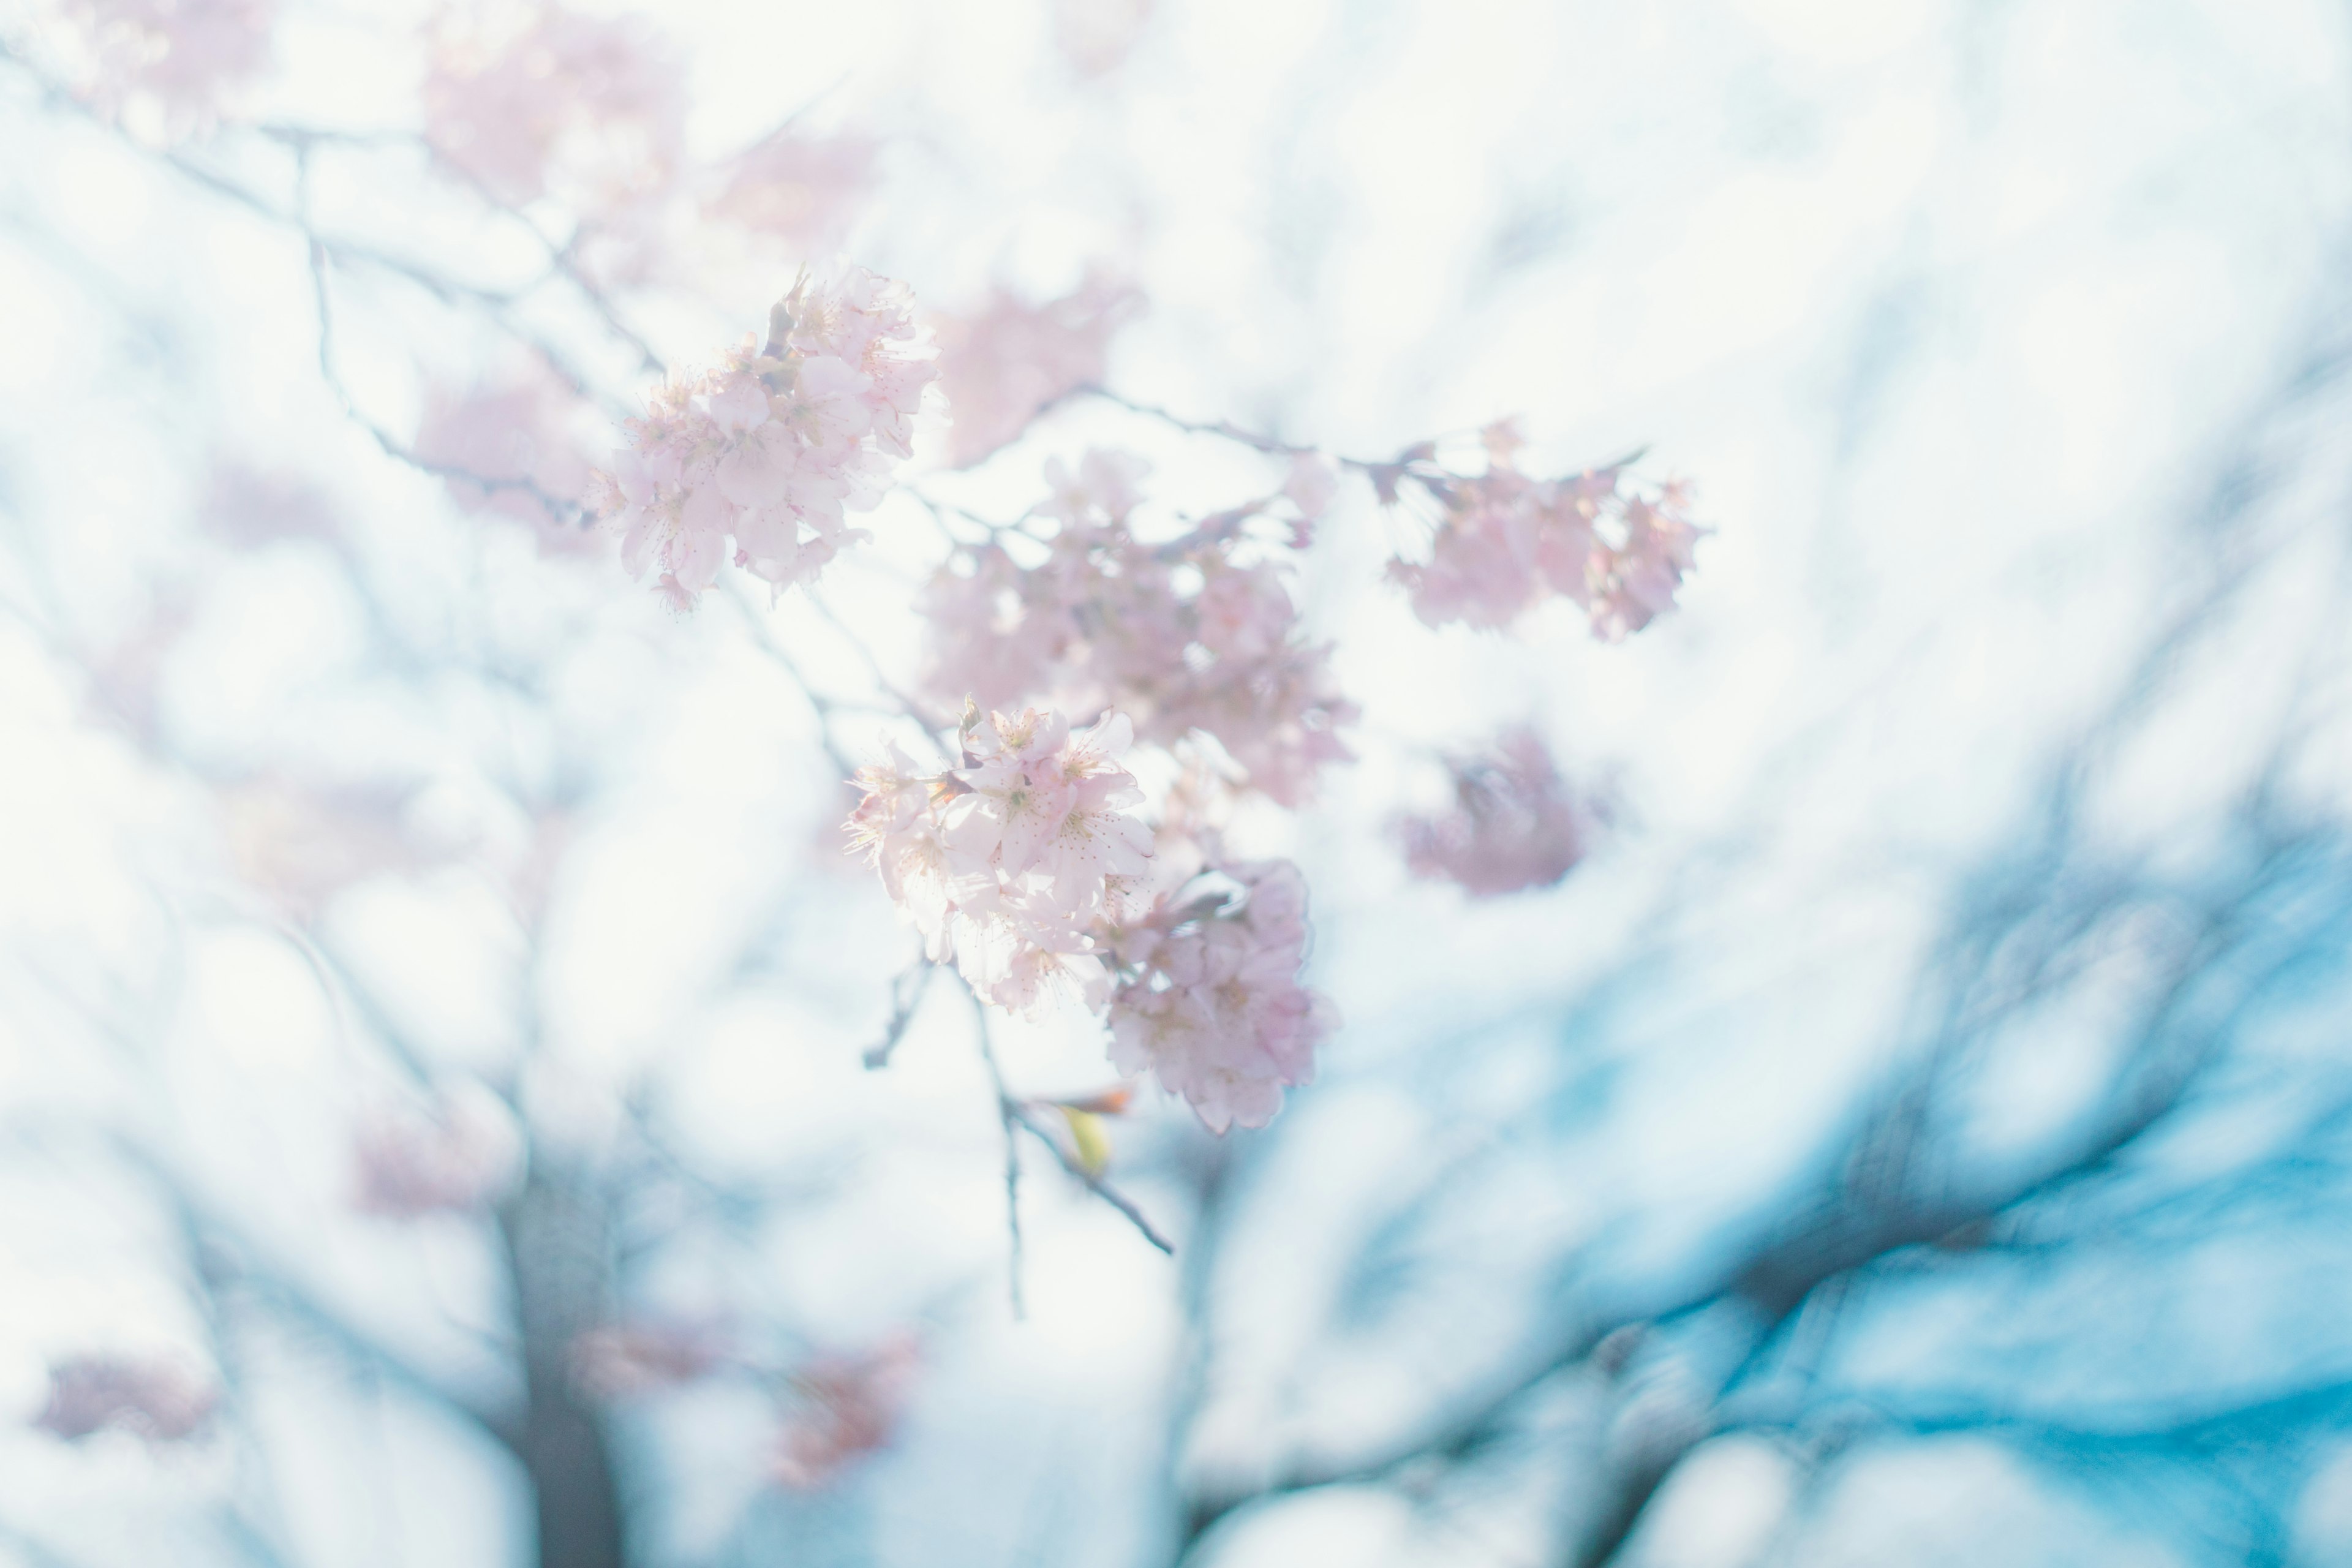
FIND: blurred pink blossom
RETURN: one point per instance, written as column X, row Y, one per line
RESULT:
column 841, row 1408
column 248, row 508
column 155, row 1397
column 461, row 1153
column 537, row 100
column 301, row 843
column 619, row 1360
column 1096, row 35
column 166, row 67
column 1515, row 823
column 518, row 435
column 805, row 190
column 1003, row 362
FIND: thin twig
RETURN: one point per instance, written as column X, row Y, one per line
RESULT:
column 906, row 994
column 1008, row 1115
column 1094, row 1182
column 820, row 703
column 1014, row 1113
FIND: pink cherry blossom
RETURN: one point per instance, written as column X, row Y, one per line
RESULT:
column 1515, row 823
column 460, row 1153
column 301, row 842
column 1003, row 362
column 537, row 100
column 155, row 1397
column 1006, row 863
column 839, row 1408
column 1505, row 541
column 621, row 1361
column 1195, row 637
column 1644, row 572
column 164, row 67
column 803, row 190
column 515, row 445
column 1209, row 1000
column 249, row 508
column 1096, row 35
column 756, row 460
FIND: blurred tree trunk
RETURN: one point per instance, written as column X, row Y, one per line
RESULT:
column 556, row 1237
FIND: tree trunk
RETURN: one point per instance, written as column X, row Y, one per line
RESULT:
column 557, row 1240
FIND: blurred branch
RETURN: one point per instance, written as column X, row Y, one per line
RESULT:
column 906, row 993
column 1008, row 1116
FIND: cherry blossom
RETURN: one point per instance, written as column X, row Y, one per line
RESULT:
column 620, row 1360
column 166, row 68
column 839, row 1408
column 1506, row 541
column 249, row 508
column 515, row 451
column 461, row 1153
column 301, row 842
column 803, row 190
column 770, row 447
column 1515, row 823
column 1006, row 863
column 1194, row 636
column 1003, row 362
column 154, row 1397
column 1029, row 868
column 538, row 100
column 1209, row 1000
column 1096, row 35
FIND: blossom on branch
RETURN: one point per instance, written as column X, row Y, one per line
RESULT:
column 461, row 1154
column 1002, row 364
column 770, row 447
column 803, row 190
column 155, row 1398
column 536, row 100
column 509, row 446
column 164, row 67
column 1506, row 541
column 1515, row 823
column 1029, row 866
column 840, row 1408
column 625, row 1360
column 1194, row 635
column 1008, row 862
column 1209, row 1000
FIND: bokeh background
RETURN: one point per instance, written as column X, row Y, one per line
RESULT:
column 1918, row 1134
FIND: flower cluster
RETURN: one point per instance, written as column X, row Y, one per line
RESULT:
column 1194, row 635
column 801, row 189
column 164, row 67
column 1096, row 36
column 1209, row 1000
column 622, row 1361
column 538, row 101
column 509, row 446
column 1002, row 364
column 1506, row 541
column 772, row 444
column 1008, row 863
column 156, row 1398
column 459, row 1154
column 839, row 1408
column 1030, row 868
column 1515, row 823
